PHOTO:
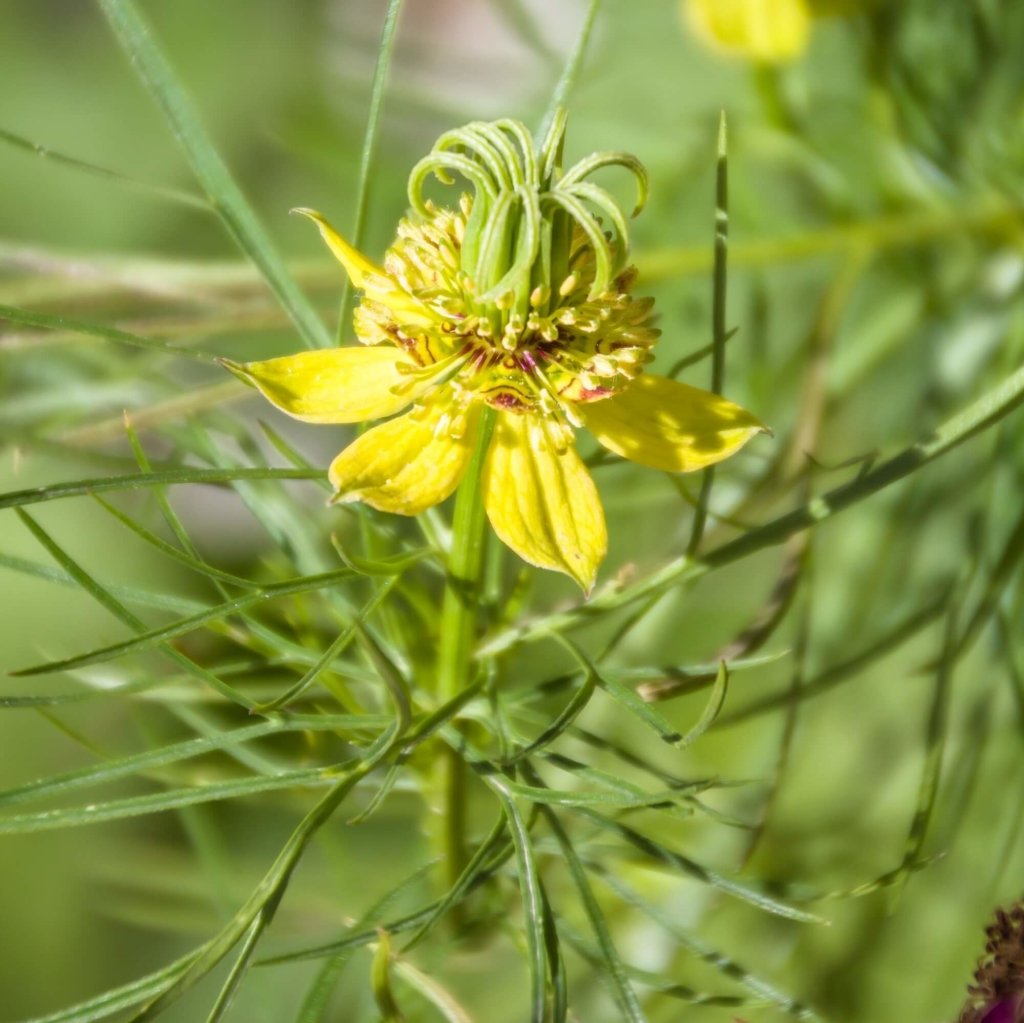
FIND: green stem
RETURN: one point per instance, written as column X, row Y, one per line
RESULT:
column 719, row 330
column 380, row 77
column 459, row 626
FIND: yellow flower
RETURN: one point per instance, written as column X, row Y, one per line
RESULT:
column 516, row 306
column 765, row 30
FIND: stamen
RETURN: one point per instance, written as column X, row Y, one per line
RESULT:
column 544, row 432
column 421, row 379
column 457, row 427
column 442, row 425
column 560, row 409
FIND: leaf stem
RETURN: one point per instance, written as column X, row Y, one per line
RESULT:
column 459, row 626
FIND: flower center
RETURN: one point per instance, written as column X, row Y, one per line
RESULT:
column 519, row 298
column 568, row 346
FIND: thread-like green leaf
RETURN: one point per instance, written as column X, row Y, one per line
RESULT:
column 182, row 557
column 154, row 637
column 725, row 965
column 571, row 68
column 660, row 854
column 121, row 998
column 719, row 328
column 107, row 600
column 115, row 177
column 380, row 981
column 903, row 631
column 137, row 763
column 531, row 895
column 159, row 802
column 613, row 972
column 239, row 968
column 142, row 480
column 711, row 710
column 49, row 321
column 315, row 1004
column 155, row 71
column 369, row 152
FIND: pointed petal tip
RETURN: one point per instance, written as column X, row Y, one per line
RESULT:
column 671, row 426
column 403, row 466
column 585, row 582
column 349, row 384
column 237, row 369
column 356, row 265
column 343, row 497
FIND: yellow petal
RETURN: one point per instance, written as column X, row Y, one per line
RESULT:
column 356, row 265
column 332, row 385
column 543, row 503
column 405, row 465
column 375, row 281
column 667, row 425
column 769, row 30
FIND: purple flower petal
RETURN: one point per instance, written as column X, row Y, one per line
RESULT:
column 1001, row 1013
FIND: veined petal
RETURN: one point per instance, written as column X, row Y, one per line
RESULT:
column 667, row 425
column 406, row 310
column 405, row 465
column 541, row 502
column 333, row 385
column 356, row 265
column 770, row 30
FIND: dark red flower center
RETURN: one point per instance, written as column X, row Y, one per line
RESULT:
column 1001, row 1013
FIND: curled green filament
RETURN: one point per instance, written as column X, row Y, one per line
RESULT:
column 519, row 237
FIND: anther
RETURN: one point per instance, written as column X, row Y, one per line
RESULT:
column 457, row 428
column 442, row 425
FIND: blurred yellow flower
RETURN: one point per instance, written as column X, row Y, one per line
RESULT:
column 764, row 30
column 516, row 305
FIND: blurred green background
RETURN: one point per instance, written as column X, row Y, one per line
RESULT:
column 876, row 278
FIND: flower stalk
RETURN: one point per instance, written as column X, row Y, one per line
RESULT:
column 459, row 623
